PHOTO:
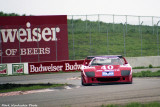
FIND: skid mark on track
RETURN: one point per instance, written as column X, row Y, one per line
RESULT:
column 25, row 92
column 69, row 87
column 74, row 78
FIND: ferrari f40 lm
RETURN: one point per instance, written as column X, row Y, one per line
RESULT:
column 106, row 69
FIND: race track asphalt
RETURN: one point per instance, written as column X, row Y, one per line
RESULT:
column 75, row 95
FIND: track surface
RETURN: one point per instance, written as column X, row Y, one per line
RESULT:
column 142, row 90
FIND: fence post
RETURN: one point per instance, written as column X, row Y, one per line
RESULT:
column 56, row 49
column 98, row 23
column 19, row 43
column 1, row 45
column 38, row 44
column 113, row 22
column 90, row 32
column 86, row 23
column 141, row 37
column 107, row 43
column 140, row 32
column 158, row 38
column 73, row 38
column 152, row 24
column 124, row 25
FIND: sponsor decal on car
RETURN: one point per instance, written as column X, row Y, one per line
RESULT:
column 111, row 73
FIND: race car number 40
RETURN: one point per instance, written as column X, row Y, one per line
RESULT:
column 107, row 73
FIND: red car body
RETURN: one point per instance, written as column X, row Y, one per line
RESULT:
column 106, row 69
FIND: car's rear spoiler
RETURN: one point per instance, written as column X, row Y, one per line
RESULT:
column 91, row 57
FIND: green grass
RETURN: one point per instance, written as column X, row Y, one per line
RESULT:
column 140, row 67
column 135, row 104
column 143, row 67
column 147, row 74
column 97, row 45
column 91, row 41
column 9, row 87
column 3, row 75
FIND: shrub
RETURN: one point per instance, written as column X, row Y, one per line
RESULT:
column 150, row 66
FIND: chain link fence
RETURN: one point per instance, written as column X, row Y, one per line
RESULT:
column 105, row 34
column 100, row 34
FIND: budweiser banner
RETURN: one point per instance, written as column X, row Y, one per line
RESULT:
column 33, row 38
column 74, row 65
column 45, row 67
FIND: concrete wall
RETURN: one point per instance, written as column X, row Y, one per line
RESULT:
column 134, row 62
column 144, row 61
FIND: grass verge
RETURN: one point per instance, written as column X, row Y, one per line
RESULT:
column 143, row 67
column 135, row 104
column 147, row 74
column 9, row 87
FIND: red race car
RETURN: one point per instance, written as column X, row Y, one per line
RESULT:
column 106, row 69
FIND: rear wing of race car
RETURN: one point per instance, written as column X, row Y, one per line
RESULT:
column 89, row 58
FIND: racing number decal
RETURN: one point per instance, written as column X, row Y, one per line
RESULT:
column 110, row 67
column 103, row 67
